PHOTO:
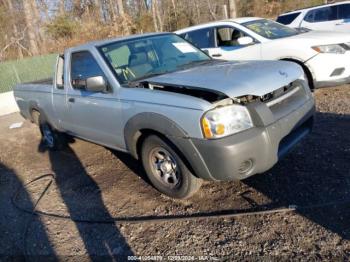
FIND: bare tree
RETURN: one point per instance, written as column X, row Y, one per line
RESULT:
column 224, row 12
column 120, row 7
column 123, row 16
column 30, row 22
column 211, row 11
column 174, row 7
column 154, row 15
column 61, row 7
column 15, row 29
column 198, row 11
column 112, row 10
column 232, row 6
column 159, row 17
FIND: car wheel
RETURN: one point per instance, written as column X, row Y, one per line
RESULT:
column 51, row 139
column 166, row 169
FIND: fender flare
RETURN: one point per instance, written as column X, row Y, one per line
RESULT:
column 33, row 106
column 149, row 121
column 161, row 125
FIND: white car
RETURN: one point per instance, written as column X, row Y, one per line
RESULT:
column 324, row 56
column 330, row 17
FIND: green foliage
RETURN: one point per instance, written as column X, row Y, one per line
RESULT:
column 25, row 70
column 61, row 27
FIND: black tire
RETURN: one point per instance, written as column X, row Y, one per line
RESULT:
column 51, row 139
column 166, row 170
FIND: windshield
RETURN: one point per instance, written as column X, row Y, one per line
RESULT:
column 270, row 29
column 146, row 56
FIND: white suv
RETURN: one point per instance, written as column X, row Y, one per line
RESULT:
column 331, row 17
column 324, row 56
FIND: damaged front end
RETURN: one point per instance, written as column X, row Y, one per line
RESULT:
column 212, row 96
column 218, row 98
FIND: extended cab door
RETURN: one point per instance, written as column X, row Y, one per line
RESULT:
column 94, row 116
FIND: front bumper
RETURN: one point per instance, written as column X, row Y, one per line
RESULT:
column 337, row 82
column 330, row 69
column 250, row 152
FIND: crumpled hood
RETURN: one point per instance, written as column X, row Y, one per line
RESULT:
column 234, row 79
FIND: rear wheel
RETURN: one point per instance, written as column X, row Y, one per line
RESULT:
column 51, row 139
column 166, row 169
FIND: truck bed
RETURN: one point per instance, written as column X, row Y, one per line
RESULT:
column 34, row 93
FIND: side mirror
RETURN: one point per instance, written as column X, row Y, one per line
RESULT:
column 245, row 40
column 96, row 84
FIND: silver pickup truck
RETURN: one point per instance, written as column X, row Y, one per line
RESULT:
column 186, row 116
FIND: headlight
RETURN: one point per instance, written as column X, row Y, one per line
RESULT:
column 226, row 120
column 332, row 49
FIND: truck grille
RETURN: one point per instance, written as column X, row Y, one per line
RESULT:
column 269, row 97
column 285, row 99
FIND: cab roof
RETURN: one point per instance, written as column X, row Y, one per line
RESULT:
column 117, row 39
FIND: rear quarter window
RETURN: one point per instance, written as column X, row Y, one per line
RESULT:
column 344, row 11
column 328, row 13
column 287, row 19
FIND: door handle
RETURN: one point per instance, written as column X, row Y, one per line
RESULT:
column 71, row 100
column 217, row 55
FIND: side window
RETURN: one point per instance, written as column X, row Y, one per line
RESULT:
column 323, row 14
column 344, row 11
column 202, row 38
column 228, row 36
column 60, row 72
column 287, row 19
column 83, row 66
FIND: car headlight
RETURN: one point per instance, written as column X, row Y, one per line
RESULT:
column 226, row 120
column 331, row 49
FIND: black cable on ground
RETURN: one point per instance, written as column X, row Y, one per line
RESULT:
column 164, row 218
column 156, row 218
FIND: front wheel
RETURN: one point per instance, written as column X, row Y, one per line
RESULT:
column 166, row 169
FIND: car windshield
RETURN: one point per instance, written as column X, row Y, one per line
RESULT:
column 139, row 58
column 270, row 29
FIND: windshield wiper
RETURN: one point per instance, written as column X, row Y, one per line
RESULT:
column 134, row 82
column 196, row 62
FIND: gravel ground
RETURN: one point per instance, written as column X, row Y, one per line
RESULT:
column 94, row 183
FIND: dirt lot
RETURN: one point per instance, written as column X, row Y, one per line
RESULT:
column 95, row 183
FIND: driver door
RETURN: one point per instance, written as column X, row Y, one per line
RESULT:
column 95, row 116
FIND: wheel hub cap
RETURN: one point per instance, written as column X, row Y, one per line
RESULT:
column 164, row 167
